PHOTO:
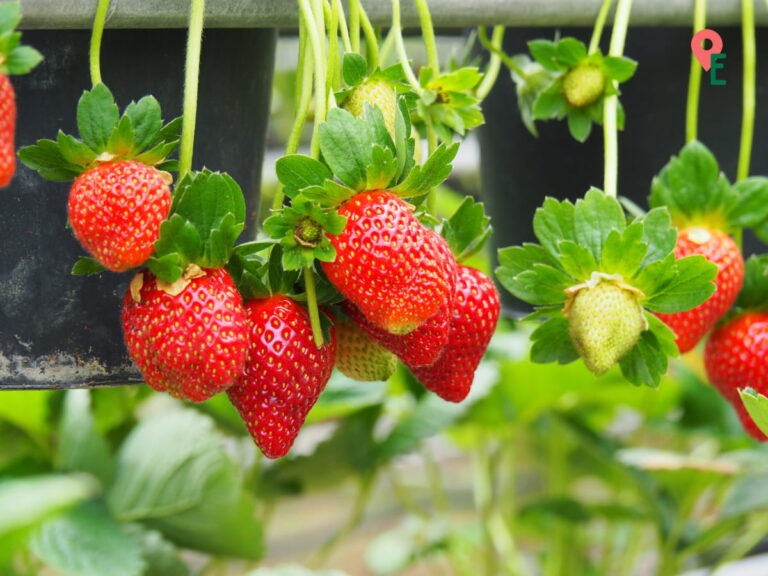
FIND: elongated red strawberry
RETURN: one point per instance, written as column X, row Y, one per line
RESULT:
column 116, row 210
column 284, row 373
column 475, row 314
column 691, row 326
column 360, row 357
column 736, row 357
column 191, row 344
column 386, row 264
column 7, row 130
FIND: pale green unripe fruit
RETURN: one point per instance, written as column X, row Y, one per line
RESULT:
column 359, row 357
column 583, row 85
column 376, row 93
column 605, row 321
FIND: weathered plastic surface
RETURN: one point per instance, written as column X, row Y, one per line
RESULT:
column 519, row 170
column 61, row 331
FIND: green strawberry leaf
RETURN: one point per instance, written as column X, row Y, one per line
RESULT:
column 658, row 234
column 354, row 69
column 754, row 291
column 404, row 144
column 97, row 117
column 47, row 159
column 10, row 16
column 86, row 267
column 550, row 102
column 178, row 245
column 692, row 285
column 422, row 179
column 545, row 53
column 297, row 172
column 21, row 60
column 552, row 343
column 757, row 406
column 750, row 209
column 515, row 260
column 645, row 363
column 580, row 125
column 382, row 168
column 121, row 141
column 156, row 155
column 467, row 230
column 693, row 188
column 665, row 336
column 571, row 51
column 346, row 144
column 619, row 68
column 595, row 216
column 146, row 119
column 554, row 221
column 248, row 268
column 74, row 152
column 531, row 88
column 545, row 284
column 577, row 260
column 624, row 252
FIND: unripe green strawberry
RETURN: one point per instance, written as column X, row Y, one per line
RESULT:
column 583, row 85
column 719, row 248
column 116, row 210
column 736, row 357
column 359, row 356
column 376, row 93
column 605, row 320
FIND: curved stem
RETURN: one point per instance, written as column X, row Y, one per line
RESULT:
column 597, row 31
column 191, row 81
column 371, row 42
column 354, row 24
column 345, row 39
column 386, row 47
column 748, row 87
column 99, row 21
column 428, row 33
column 494, row 64
column 610, row 107
column 319, row 64
column 334, row 67
column 397, row 30
column 314, row 312
column 694, row 78
column 489, row 45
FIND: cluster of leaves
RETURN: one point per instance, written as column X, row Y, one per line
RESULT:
column 447, row 101
column 15, row 58
column 594, row 236
column 563, row 81
column 139, row 134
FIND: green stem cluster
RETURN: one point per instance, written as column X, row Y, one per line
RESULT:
column 610, row 129
column 494, row 64
column 694, row 79
column 97, row 33
column 191, row 82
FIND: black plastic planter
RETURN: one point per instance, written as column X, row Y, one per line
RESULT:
column 518, row 170
column 61, row 331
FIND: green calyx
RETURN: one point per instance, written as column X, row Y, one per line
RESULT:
column 592, row 239
column 569, row 83
column 207, row 216
column 697, row 193
column 15, row 58
column 106, row 136
column 583, row 85
column 448, row 100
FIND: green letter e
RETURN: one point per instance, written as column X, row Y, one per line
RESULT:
column 715, row 66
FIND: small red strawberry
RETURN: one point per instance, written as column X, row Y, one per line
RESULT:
column 284, row 373
column 386, row 263
column 360, row 357
column 190, row 343
column 719, row 248
column 736, row 357
column 116, row 210
column 475, row 314
column 7, row 130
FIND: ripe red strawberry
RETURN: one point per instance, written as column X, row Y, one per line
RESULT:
column 360, row 357
column 719, row 248
column 736, row 357
column 476, row 311
column 116, row 210
column 386, row 264
column 422, row 346
column 7, row 130
column 193, row 344
column 284, row 373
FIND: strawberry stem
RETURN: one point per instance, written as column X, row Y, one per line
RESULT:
column 428, row 34
column 99, row 21
column 354, row 25
column 371, row 43
column 495, row 49
column 343, row 25
column 597, row 31
column 748, row 87
column 610, row 106
column 494, row 64
column 694, row 79
column 191, row 81
column 315, row 24
column 314, row 311
column 400, row 46
column 334, row 69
